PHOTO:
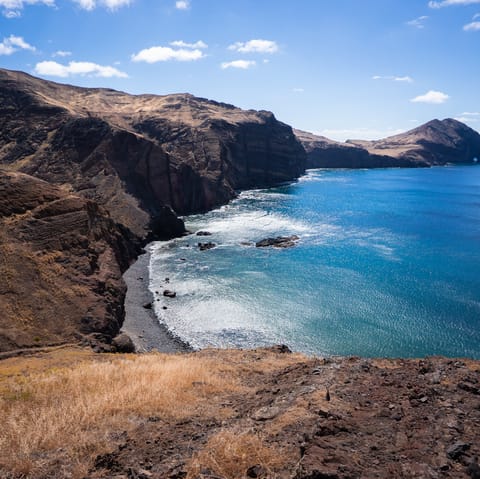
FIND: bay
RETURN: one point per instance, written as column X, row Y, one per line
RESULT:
column 388, row 264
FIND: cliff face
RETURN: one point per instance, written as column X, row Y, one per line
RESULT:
column 115, row 165
column 61, row 264
column 135, row 154
column 434, row 143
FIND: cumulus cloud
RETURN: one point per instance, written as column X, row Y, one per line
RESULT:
column 405, row 79
column 182, row 4
column 165, row 54
column 418, row 22
column 182, row 44
column 51, row 68
column 255, row 46
column 12, row 44
column 432, row 97
column 449, row 3
column 241, row 64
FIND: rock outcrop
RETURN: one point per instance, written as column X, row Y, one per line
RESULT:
column 434, row 143
column 61, row 264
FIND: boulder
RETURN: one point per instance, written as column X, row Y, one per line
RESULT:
column 123, row 343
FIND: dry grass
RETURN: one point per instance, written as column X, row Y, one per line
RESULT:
column 229, row 455
column 70, row 414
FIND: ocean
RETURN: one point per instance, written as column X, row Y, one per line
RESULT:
column 387, row 265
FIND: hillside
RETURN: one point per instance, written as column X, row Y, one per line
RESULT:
column 434, row 143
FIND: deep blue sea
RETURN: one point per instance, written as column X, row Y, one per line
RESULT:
column 388, row 264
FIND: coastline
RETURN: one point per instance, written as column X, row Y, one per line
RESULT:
column 141, row 323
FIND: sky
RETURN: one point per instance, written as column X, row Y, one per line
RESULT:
column 341, row 68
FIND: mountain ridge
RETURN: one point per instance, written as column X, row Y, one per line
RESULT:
column 437, row 142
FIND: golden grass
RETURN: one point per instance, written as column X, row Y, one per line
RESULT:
column 70, row 414
column 229, row 455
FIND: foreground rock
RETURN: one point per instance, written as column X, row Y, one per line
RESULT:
column 61, row 264
column 434, row 143
column 278, row 242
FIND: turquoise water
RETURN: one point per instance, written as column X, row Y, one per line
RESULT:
column 388, row 264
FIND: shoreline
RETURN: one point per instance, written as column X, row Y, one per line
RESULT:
column 141, row 323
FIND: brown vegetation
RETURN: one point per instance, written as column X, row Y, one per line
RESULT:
column 234, row 414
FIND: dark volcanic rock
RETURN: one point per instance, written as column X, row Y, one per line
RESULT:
column 203, row 233
column 278, row 242
column 206, row 246
column 62, row 259
column 169, row 294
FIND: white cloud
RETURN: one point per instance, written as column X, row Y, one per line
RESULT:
column 359, row 133
column 298, row 90
column 12, row 8
column 255, row 46
column 432, row 97
column 51, row 68
column 470, row 113
column 182, row 4
column 242, row 64
column 182, row 44
column 418, row 22
column 449, row 3
column 12, row 44
column 109, row 4
column 61, row 53
column 405, row 79
column 472, row 27
column 467, row 119
column 164, row 54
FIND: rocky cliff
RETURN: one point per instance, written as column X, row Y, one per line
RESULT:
column 115, row 169
column 61, row 264
column 434, row 143
column 135, row 154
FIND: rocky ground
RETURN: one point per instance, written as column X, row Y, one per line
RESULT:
column 290, row 416
column 326, row 418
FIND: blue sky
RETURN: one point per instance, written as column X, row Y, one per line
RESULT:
column 341, row 68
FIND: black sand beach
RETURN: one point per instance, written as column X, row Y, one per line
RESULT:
column 140, row 323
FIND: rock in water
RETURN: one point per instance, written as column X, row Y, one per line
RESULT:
column 205, row 246
column 169, row 294
column 278, row 242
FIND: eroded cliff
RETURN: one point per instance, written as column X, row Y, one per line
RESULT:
column 61, row 264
